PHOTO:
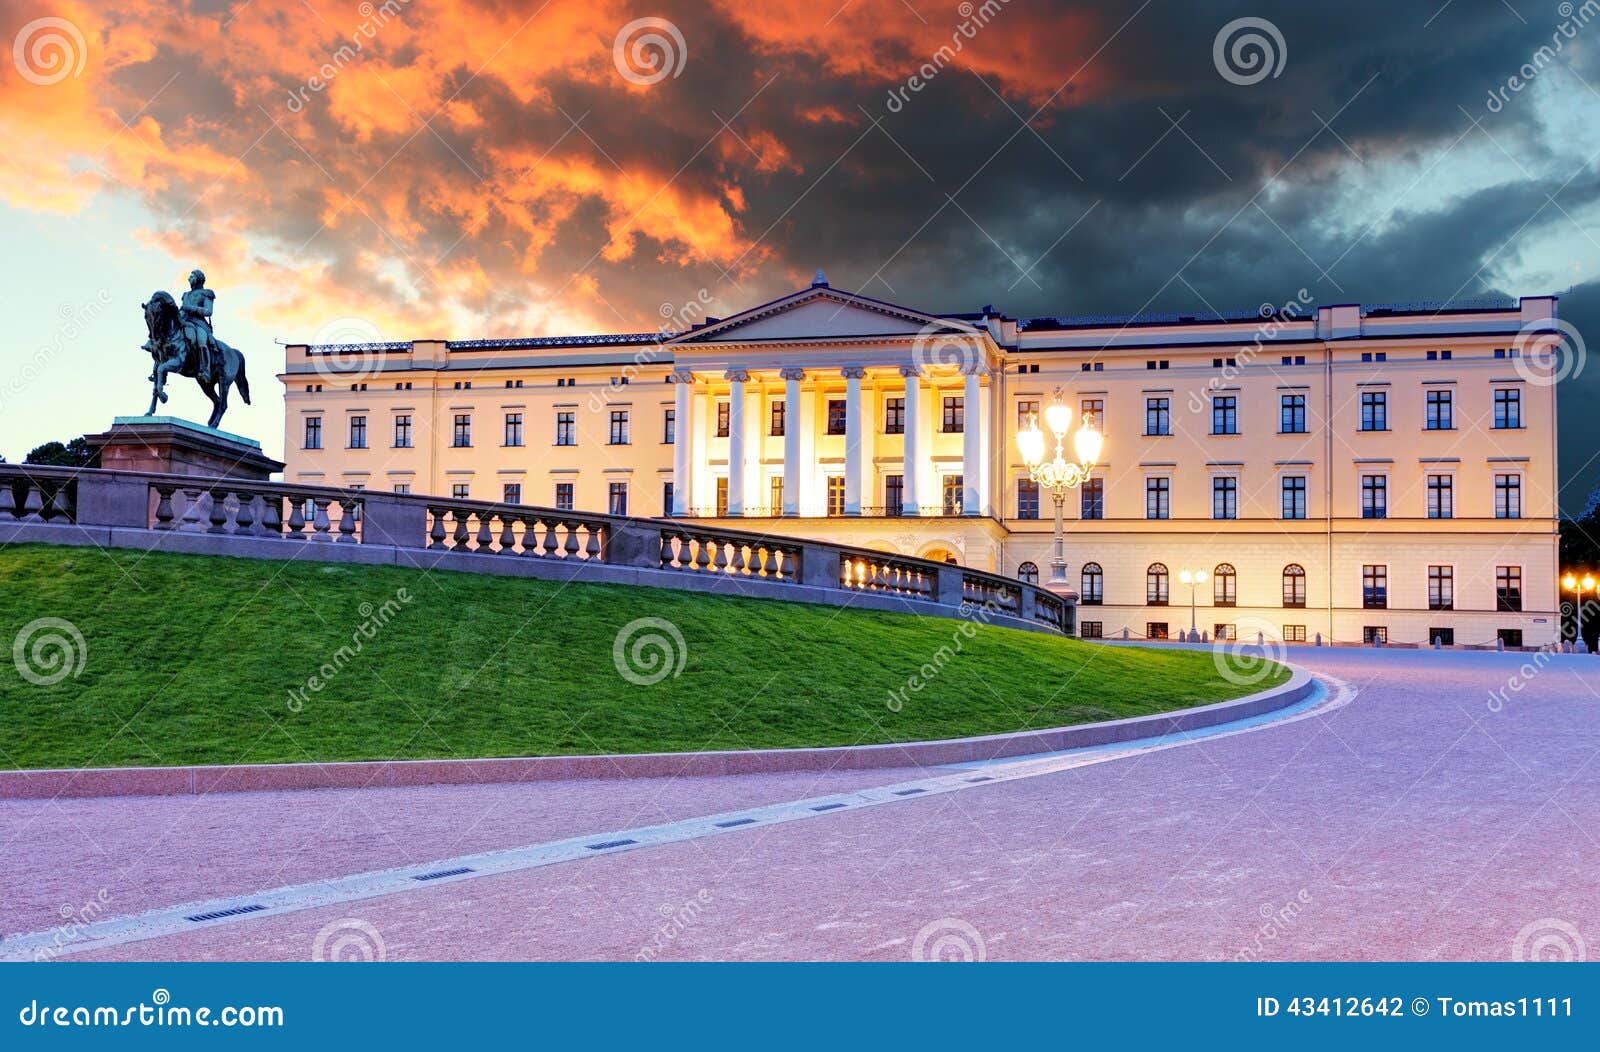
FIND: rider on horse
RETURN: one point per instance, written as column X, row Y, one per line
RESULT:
column 196, row 313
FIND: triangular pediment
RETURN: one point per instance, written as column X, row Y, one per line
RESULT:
column 822, row 313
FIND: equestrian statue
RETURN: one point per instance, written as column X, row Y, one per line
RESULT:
column 181, row 341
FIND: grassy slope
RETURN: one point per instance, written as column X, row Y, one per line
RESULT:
column 192, row 660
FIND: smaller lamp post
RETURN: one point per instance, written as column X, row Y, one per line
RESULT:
column 1577, row 588
column 1057, row 474
column 1192, row 578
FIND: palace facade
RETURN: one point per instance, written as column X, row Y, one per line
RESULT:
column 1342, row 471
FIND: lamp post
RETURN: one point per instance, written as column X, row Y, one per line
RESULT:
column 1577, row 588
column 1192, row 578
column 1057, row 474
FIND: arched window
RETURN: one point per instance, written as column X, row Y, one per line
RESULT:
column 1155, row 584
column 1028, row 572
column 1093, row 591
column 1294, row 585
column 1224, row 585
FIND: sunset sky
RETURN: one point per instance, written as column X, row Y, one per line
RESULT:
column 511, row 169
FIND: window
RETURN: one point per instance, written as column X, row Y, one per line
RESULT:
column 1028, row 572
column 1092, row 592
column 775, row 495
column 1092, row 499
column 1374, row 410
column 512, row 494
column 619, row 432
column 1157, row 498
column 1155, row 584
column 894, row 416
column 566, row 427
column 460, row 490
column 1157, row 416
column 1375, row 635
column 836, row 416
column 513, row 429
column 894, row 494
column 666, row 497
column 777, row 418
column 1368, row 356
column 1441, row 588
column 1294, row 633
column 954, row 494
column 1027, row 499
column 358, row 432
column 722, row 497
column 1508, row 588
column 1027, row 410
column 1439, row 355
column 1445, row 637
column 402, row 431
column 1294, row 585
column 835, row 494
column 724, row 413
column 1374, row 496
column 1224, row 497
column 1507, row 408
column 1093, row 410
column 1292, row 414
column 1441, row 496
column 1155, row 630
column 1091, row 630
column 461, row 436
column 1508, row 496
column 1225, row 415
column 563, row 496
column 1294, row 496
column 617, row 498
column 1224, row 585
column 313, row 432
column 402, row 487
column 669, row 427
column 1224, row 633
column 1440, row 411
column 1511, row 637
column 955, row 416
column 1375, row 587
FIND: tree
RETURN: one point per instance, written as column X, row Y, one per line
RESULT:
column 75, row 454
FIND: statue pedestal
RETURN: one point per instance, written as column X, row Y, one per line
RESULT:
column 178, row 447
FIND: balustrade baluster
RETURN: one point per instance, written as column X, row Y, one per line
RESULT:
column 245, row 518
column 508, row 538
column 571, row 548
column 320, row 524
column 594, row 550
column 272, row 515
column 349, row 515
column 297, row 518
column 436, row 532
column 32, row 504
column 458, row 542
column 485, row 532
column 550, row 541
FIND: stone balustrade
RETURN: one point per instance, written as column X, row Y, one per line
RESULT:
column 253, row 519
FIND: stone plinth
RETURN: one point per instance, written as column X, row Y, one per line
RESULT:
column 179, row 447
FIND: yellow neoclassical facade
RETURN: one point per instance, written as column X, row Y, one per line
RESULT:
column 1344, row 471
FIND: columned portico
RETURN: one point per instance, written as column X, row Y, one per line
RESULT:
column 682, row 440
column 912, row 464
column 793, row 484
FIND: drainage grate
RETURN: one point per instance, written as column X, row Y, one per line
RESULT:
column 219, row 914
column 611, row 843
column 909, row 792
column 443, row 873
column 827, row 807
column 736, row 822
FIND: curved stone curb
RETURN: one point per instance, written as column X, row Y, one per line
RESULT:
column 168, row 781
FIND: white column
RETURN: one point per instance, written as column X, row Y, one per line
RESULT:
column 912, row 464
column 703, row 493
column 791, row 440
column 736, row 437
column 682, row 441
column 808, row 482
column 988, row 398
column 972, row 443
column 854, row 433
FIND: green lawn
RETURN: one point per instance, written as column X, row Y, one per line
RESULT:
column 191, row 659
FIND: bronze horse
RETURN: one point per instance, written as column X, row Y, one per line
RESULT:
column 174, row 354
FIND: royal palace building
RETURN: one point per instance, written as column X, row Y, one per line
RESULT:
column 1349, row 472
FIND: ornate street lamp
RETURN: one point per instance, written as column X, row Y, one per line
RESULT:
column 1577, row 588
column 1057, row 474
column 1192, row 578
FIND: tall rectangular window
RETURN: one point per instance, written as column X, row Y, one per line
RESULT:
column 1225, row 415
column 461, row 434
column 313, row 432
column 1027, row 499
column 1093, row 410
column 1440, row 411
column 1092, row 499
column 836, row 416
column 1374, row 496
column 1374, row 410
column 402, row 431
column 666, row 497
column 669, row 427
column 513, row 429
column 1224, row 497
column 778, row 418
column 1292, row 414
column 358, row 432
column 1441, row 496
column 1507, row 408
column 617, row 498
column 1294, row 496
column 894, row 494
column 1508, row 588
column 563, row 496
column 894, row 416
column 954, row 420
column 619, row 432
column 1441, row 588
column 1157, row 498
column 835, row 494
column 1157, row 416
column 1027, row 410
column 724, row 414
column 722, row 496
column 775, row 495
column 1375, row 587
column 1508, row 496
column 954, row 489
column 566, row 427
column 512, row 493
